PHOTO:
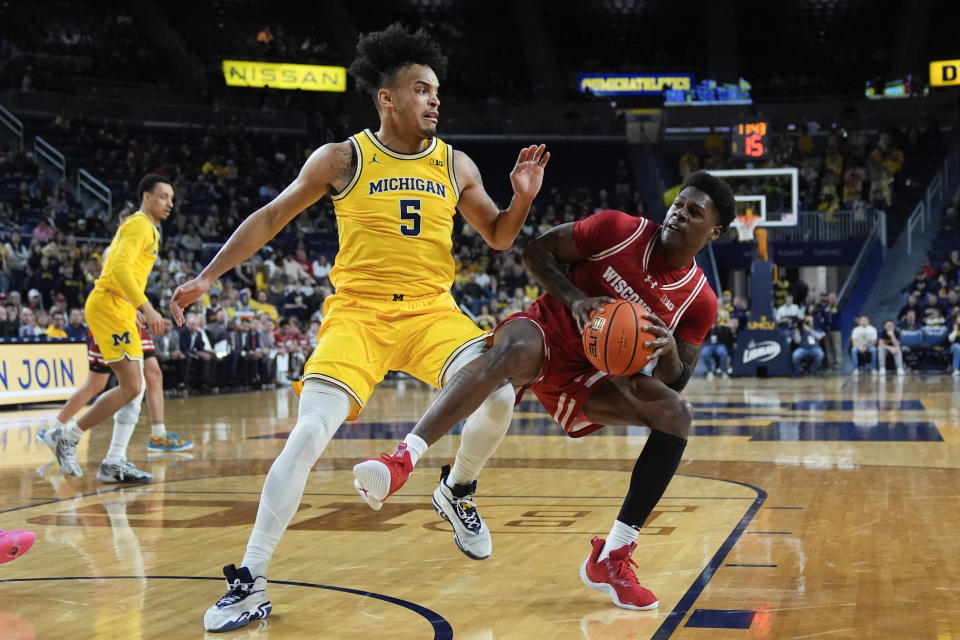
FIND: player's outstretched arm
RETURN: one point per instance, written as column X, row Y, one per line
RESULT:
column 322, row 169
column 500, row 228
column 547, row 258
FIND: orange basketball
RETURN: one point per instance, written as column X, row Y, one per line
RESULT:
column 614, row 339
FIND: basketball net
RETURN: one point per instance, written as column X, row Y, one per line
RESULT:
column 745, row 226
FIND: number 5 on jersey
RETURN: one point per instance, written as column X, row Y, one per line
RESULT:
column 410, row 213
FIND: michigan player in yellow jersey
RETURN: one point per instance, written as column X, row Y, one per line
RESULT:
column 111, row 313
column 395, row 193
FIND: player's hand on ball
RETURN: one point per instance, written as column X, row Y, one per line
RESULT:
column 185, row 295
column 664, row 346
column 582, row 308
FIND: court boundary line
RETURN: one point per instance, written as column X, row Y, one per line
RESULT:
column 441, row 627
column 685, row 604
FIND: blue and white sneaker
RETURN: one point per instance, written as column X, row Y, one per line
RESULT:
column 244, row 602
column 168, row 442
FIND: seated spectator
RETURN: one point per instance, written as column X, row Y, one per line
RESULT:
column 198, row 365
column 169, row 356
column 486, row 321
column 808, row 339
column 28, row 328
column 321, row 267
column 8, row 326
column 954, row 339
column 55, row 331
column 716, row 348
column 913, row 304
column 261, row 305
column 863, row 342
column 911, row 341
column 75, row 328
column 889, row 344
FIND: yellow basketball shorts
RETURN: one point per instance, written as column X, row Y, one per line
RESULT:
column 361, row 339
column 113, row 323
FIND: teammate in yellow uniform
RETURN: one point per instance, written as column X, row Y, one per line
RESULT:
column 111, row 313
column 395, row 193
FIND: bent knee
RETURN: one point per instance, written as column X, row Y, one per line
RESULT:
column 674, row 416
column 499, row 404
column 518, row 357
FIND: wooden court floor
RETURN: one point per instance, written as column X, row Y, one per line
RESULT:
column 813, row 508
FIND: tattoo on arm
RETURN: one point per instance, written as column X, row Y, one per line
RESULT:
column 689, row 356
column 346, row 161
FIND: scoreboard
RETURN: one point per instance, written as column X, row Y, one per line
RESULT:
column 749, row 140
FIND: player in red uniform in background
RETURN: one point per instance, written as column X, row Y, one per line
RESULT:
column 582, row 265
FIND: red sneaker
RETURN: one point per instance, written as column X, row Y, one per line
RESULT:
column 376, row 479
column 14, row 544
column 615, row 577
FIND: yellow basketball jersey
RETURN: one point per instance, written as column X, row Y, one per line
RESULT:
column 129, row 259
column 395, row 221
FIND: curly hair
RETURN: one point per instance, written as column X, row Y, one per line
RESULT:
column 719, row 191
column 382, row 54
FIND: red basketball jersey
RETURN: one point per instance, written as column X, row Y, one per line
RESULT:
column 623, row 262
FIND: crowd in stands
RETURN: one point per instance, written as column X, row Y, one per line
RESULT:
column 841, row 171
column 49, row 46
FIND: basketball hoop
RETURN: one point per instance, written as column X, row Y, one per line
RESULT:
column 745, row 226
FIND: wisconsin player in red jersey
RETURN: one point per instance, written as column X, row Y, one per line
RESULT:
column 582, row 265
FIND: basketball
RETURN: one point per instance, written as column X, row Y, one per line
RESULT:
column 614, row 340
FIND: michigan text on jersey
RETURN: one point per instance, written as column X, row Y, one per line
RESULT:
column 408, row 184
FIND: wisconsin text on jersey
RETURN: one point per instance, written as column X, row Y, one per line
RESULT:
column 408, row 184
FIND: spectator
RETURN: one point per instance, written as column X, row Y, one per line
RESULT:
column 28, row 326
column 260, row 305
column 56, row 329
column 169, row 356
column 808, row 339
column 198, row 365
column 889, row 343
column 321, row 267
column 217, row 329
column 34, row 300
column 485, row 319
column 8, row 326
column 913, row 304
column 16, row 255
column 827, row 320
column 954, row 339
column 715, row 350
column 864, row 344
column 75, row 328
column 293, row 303
column 787, row 314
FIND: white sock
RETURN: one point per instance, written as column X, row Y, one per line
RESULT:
column 620, row 535
column 416, row 445
column 482, row 434
column 72, row 432
column 158, row 430
column 118, row 444
column 323, row 408
column 59, row 425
